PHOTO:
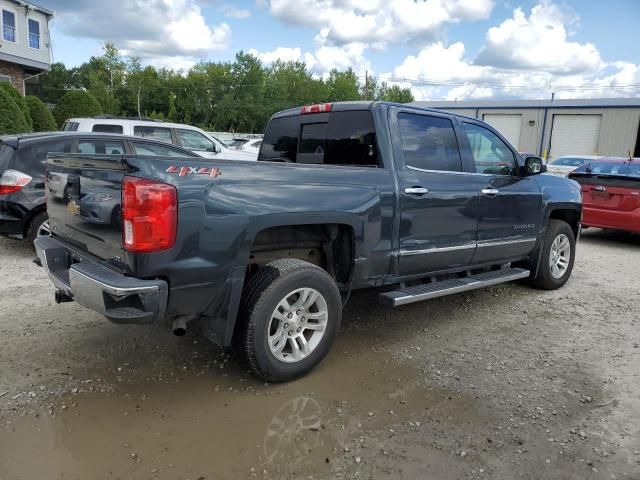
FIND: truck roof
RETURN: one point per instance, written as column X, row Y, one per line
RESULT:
column 368, row 105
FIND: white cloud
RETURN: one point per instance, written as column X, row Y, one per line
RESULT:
column 539, row 42
column 233, row 12
column 285, row 54
column 150, row 29
column 373, row 21
column 439, row 72
column 323, row 59
column 327, row 58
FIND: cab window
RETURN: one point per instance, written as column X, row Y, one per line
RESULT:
column 161, row 134
column 154, row 149
column 429, row 143
column 102, row 147
column 343, row 138
column 491, row 155
column 194, row 140
column 106, row 128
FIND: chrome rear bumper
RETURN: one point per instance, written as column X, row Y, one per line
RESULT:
column 95, row 286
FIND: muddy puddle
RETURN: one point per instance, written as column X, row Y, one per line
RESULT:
column 225, row 426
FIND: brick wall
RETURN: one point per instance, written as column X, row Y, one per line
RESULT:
column 14, row 71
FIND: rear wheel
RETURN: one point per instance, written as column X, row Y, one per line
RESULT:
column 557, row 256
column 289, row 316
column 39, row 227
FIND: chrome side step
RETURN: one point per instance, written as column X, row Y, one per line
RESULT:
column 427, row 291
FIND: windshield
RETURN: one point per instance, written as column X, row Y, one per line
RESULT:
column 605, row 168
column 569, row 162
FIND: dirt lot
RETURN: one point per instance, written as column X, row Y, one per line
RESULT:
column 502, row 383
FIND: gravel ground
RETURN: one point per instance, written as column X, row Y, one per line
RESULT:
column 502, row 383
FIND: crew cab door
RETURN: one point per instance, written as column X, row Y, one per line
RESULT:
column 509, row 213
column 438, row 201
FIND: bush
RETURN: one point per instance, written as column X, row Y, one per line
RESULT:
column 19, row 99
column 11, row 117
column 41, row 117
column 76, row 103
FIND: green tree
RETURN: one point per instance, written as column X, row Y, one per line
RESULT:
column 76, row 103
column 11, row 117
column 343, row 85
column 394, row 93
column 19, row 99
column 54, row 83
column 42, row 118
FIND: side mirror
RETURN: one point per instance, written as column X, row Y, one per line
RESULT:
column 534, row 166
column 214, row 148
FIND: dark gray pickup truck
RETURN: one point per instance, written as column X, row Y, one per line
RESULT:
column 263, row 255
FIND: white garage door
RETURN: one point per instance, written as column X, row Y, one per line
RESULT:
column 575, row 135
column 507, row 125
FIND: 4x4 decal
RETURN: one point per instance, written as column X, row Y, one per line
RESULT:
column 184, row 171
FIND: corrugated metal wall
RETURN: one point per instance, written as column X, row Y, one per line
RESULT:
column 618, row 130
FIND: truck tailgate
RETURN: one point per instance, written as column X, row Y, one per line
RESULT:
column 84, row 201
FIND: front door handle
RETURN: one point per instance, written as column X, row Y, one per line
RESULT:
column 490, row 192
column 416, row 190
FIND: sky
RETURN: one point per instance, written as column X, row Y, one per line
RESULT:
column 441, row 49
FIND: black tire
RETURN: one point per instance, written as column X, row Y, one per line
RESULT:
column 544, row 278
column 262, row 293
column 34, row 226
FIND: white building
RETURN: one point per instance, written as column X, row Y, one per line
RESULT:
column 25, row 43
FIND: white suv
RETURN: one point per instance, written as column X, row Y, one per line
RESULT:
column 186, row 136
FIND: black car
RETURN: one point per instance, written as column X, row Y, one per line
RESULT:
column 22, row 174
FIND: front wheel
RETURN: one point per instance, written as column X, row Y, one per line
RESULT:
column 557, row 256
column 289, row 316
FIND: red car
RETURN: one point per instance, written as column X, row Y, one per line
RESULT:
column 610, row 193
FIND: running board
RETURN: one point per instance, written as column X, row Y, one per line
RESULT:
column 427, row 291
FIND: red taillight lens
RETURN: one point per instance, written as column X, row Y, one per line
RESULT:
column 149, row 215
column 317, row 108
column 12, row 181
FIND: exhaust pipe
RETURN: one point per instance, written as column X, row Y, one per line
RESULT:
column 179, row 326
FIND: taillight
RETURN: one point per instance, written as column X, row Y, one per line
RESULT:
column 149, row 214
column 317, row 108
column 12, row 181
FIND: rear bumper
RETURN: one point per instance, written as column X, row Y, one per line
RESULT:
column 614, row 219
column 95, row 286
column 12, row 219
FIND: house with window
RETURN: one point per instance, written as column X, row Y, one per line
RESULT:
column 25, row 44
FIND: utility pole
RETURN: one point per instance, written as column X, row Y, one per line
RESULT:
column 366, row 84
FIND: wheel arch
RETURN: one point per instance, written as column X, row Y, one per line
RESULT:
column 570, row 215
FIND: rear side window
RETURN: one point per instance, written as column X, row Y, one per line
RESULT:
column 105, row 128
column 429, row 143
column 280, row 141
column 153, row 149
column 162, row 134
column 101, row 147
column 70, row 126
column 6, row 154
column 35, row 156
column 348, row 139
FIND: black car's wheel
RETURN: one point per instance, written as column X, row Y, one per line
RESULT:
column 289, row 316
column 39, row 227
column 557, row 256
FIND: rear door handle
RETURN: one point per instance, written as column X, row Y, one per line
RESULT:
column 490, row 192
column 416, row 190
